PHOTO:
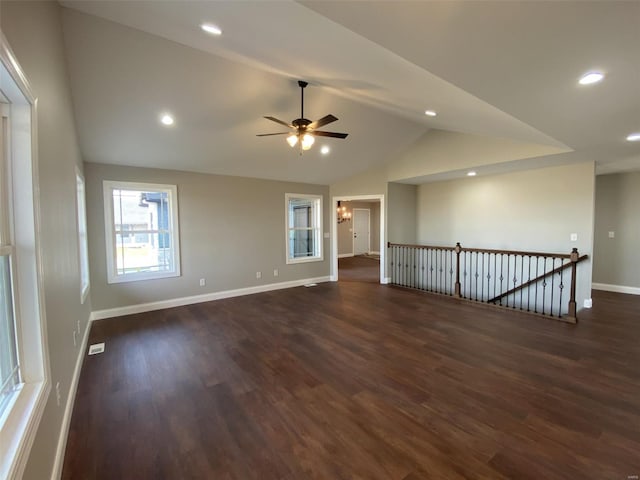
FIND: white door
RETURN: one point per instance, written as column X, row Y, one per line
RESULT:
column 361, row 235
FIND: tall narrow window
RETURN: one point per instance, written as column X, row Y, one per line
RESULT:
column 141, row 221
column 304, row 228
column 83, row 245
column 24, row 382
column 9, row 368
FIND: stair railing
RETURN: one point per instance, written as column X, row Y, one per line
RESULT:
column 532, row 282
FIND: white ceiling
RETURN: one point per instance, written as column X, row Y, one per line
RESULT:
column 500, row 69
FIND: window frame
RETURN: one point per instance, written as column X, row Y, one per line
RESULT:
column 19, row 422
column 83, row 236
column 112, row 269
column 317, row 218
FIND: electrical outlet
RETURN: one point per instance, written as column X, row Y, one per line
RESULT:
column 574, row 237
column 58, row 393
column 612, row 234
column 258, row 274
column 75, row 340
column 275, row 272
column 203, row 282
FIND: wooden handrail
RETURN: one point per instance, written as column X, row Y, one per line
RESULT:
column 486, row 250
column 538, row 278
column 432, row 247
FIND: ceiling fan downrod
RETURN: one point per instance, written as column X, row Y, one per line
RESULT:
column 302, row 86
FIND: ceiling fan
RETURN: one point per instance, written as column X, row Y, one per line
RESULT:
column 303, row 129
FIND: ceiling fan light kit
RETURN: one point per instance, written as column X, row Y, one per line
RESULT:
column 304, row 130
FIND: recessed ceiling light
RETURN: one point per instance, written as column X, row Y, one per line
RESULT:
column 211, row 28
column 166, row 119
column 633, row 137
column 430, row 113
column 590, row 78
column 471, row 174
column 325, row 150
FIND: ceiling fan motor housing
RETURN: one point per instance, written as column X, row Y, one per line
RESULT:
column 301, row 123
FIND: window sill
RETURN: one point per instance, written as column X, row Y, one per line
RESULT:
column 19, row 427
column 293, row 261
column 135, row 277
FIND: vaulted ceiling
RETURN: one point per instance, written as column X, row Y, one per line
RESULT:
column 496, row 69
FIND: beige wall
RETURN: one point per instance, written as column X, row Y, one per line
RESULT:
column 616, row 261
column 230, row 228
column 536, row 210
column 401, row 225
column 34, row 33
column 345, row 229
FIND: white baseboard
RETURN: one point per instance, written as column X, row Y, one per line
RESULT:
column 68, row 409
column 373, row 252
column 207, row 297
column 616, row 288
column 344, row 255
column 386, row 280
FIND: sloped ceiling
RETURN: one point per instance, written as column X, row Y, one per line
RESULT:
column 497, row 69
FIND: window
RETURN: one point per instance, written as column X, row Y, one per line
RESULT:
column 24, row 382
column 9, row 370
column 304, row 228
column 141, row 226
column 83, row 246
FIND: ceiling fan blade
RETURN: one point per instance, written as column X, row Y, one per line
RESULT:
column 274, row 119
column 329, row 134
column 322, row 122
column 268, row 134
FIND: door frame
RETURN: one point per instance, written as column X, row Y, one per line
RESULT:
column 334, row 232
column 353, row 238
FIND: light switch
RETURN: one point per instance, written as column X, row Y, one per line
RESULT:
column 612, row 234
column 574, row 237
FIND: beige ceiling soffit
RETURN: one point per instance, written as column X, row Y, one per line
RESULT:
column 442, row 151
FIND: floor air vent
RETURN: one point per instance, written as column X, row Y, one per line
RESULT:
column 96, row 348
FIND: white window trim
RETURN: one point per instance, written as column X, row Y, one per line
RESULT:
column 319, row 213
column 112, row 275
column 84, row 289
column 19, row 423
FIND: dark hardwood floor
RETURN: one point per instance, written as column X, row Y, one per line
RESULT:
column 355, row 380
column 359, row 269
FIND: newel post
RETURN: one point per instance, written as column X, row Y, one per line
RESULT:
column 572, row 298
column 458, row 249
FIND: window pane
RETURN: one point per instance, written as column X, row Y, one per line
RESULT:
column 9, row 375
column 300, row 213
column 142, row 253
column 301, row 243
column 139, row 210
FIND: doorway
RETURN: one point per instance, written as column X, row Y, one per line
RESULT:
column 358, row 239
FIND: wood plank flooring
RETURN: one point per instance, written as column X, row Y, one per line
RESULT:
column 359, row 381
column 359, row 269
